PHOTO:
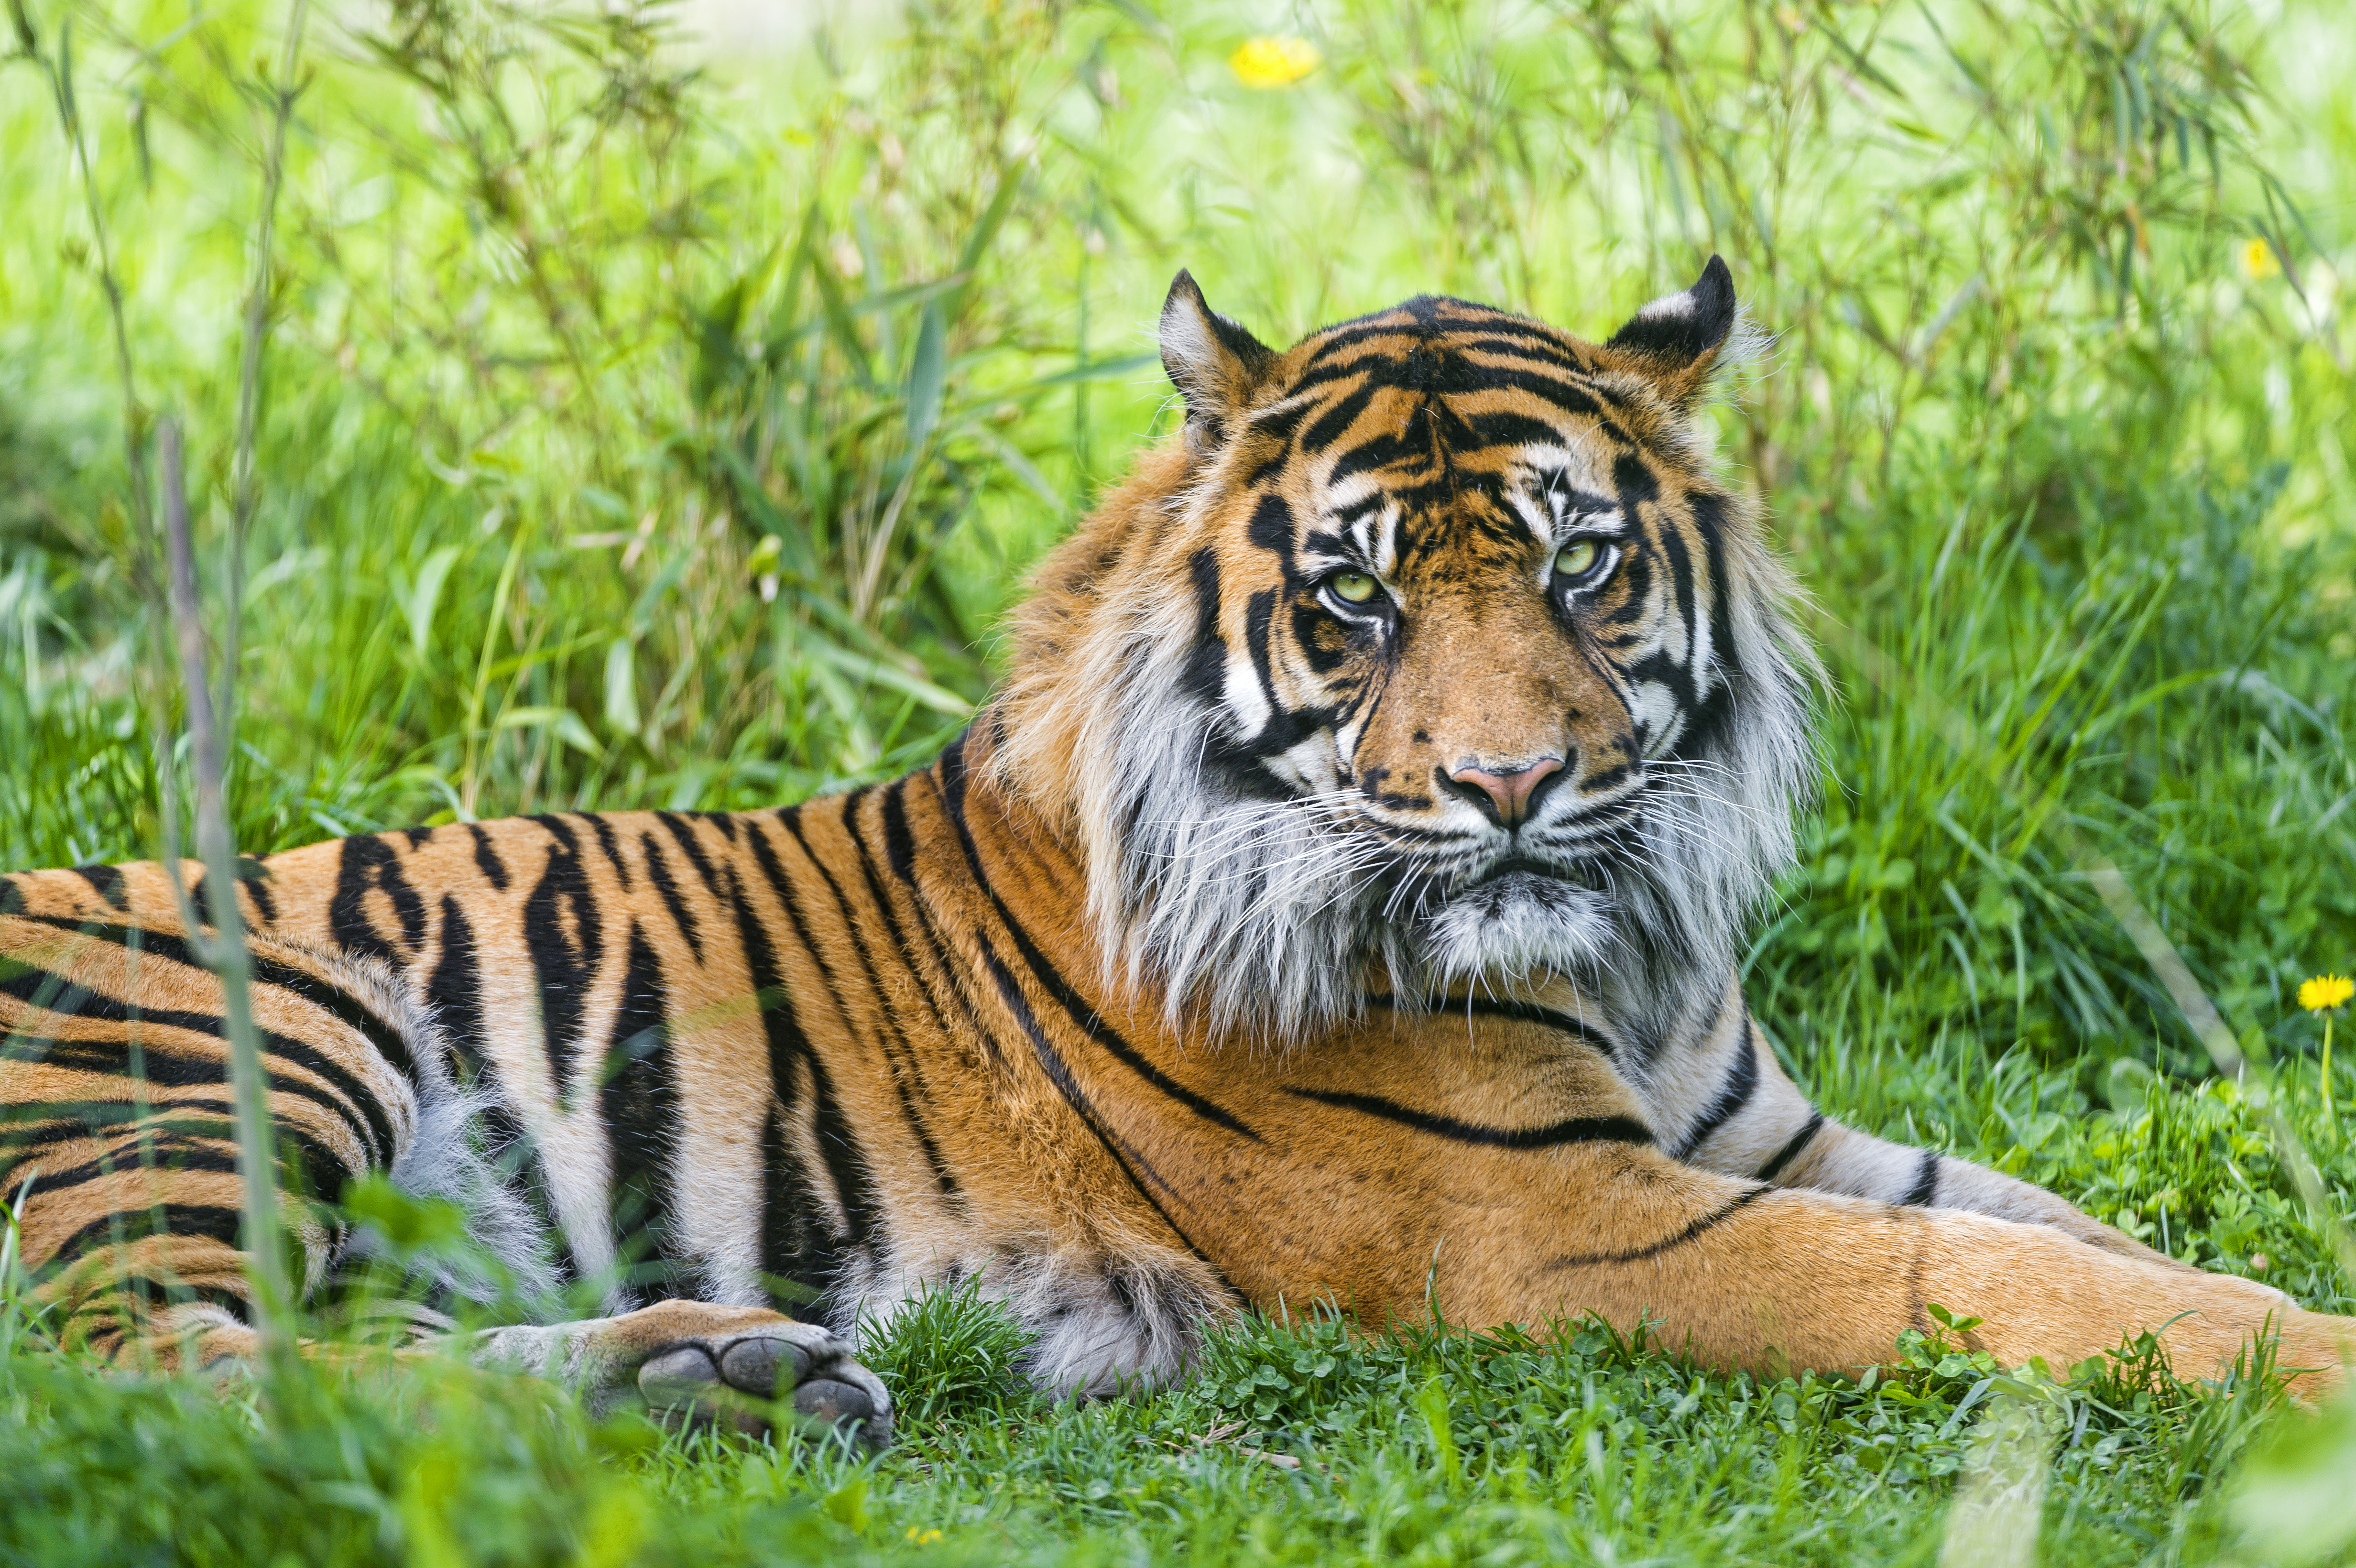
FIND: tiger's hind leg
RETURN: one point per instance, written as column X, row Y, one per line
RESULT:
column 116, row 1135
column 698, row 1361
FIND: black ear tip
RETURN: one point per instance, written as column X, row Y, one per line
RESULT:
column 1715, row 287
column 1184, row 286
column 1677, row 329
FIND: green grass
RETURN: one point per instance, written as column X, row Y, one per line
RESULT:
column 635, row 435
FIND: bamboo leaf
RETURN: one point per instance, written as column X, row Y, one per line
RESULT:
column 562, row 722
column 622, row 686
column 880, row 673
column 927, row 378
column 418, row 607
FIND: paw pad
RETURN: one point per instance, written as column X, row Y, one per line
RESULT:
column 764, row 1366
column 835, row 1403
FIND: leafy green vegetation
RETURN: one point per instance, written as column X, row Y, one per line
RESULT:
column 640, row 432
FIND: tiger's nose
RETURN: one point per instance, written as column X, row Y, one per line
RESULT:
column 1507, row 797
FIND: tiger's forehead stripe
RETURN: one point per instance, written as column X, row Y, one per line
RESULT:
column 1444, row 443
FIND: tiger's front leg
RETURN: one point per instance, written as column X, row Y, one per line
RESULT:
column 692, row 1360
column 1721, row 1102
column 1501, row 1174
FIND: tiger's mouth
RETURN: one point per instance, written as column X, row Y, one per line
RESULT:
column 1524, row 869
column 1519, row 915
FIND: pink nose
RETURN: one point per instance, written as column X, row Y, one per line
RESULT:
column 1509, row 792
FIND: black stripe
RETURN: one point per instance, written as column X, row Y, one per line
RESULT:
column 363, row 1018
column 796, row 1261
column 195, row 1221
column 487, row 857
column 1926, row 1183
column 684, row 831
column 1715, row 1217
column 853, row 1187
column 899, row 846
column 1075, row 1008
column 106, row 883
column 1127, row 1159
column 658, row 872
column 1577, row 1130
column 793, row 1249
column 564, row 961
column 165, row 1291
column 45, row 1123
column 369, row 863
column 1741, row 1083
column 1340, row 414
column 169, row 1068
column 455, row 992
column 200, row 899
column 1791, row 1151
column 78, row 1001
column 1493, row 1007
column 638, row 1103
column 172, row 1146
column 254, row 878
column 613, row 851
column 1206, row 660
column 906, row 1072
column 182, row 1156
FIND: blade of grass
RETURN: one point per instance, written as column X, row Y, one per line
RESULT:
column 224, row 951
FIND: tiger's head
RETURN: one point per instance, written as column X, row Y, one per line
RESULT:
column 1431, row 651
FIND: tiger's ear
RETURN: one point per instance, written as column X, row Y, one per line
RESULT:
column 1214, row 364
column 1680, row 338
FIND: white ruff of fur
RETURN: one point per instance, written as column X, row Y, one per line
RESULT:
column 1264, row 917
column 446, row 1155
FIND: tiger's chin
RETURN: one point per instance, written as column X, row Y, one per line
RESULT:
column 1514, row 925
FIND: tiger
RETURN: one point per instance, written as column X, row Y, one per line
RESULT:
column 1340, row 901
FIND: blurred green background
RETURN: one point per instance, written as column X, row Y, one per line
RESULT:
column 660, row 406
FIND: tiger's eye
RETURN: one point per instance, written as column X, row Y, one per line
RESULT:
column 1353, row 587
column 1576, row 558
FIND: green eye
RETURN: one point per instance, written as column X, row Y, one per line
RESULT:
column 1353, row 587
column 1577, row 558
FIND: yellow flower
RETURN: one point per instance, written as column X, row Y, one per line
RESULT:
column 2326, row 991
column 2259, row 262
column 1273, row 62
column 923, row 1536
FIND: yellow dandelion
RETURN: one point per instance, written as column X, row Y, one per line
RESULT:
column 2259, row 262
column 2326, row 991
column 922, row 1537
column 1269, row 62
column 2326, row 995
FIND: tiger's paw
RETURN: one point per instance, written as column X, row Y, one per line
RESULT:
column 710, row 1381
column 739, row 1373
column 694, row 1363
